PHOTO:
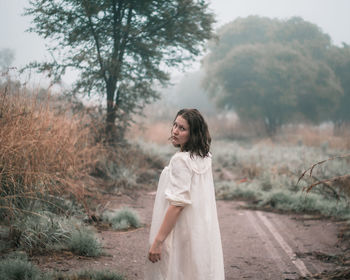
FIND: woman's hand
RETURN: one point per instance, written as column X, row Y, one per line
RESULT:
column 154, row 253
column 169, row 221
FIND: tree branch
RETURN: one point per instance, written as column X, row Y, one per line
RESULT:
column 97, row 42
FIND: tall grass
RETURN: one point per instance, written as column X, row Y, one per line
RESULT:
column 41, row 153
column 267, row 173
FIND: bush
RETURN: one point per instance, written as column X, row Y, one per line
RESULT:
column 123, row 219
column 230, row 190
column 41, row 232
column 84, row 243
column 99, row 275
column 42, row 152
column 18, row 269
column 303, row 202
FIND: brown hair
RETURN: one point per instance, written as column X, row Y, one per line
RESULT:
column 199, row 139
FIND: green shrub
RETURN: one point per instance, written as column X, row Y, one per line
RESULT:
column 231, row 190
column 305, row 202
column 18, row 269
column 123, row 219
column 40, row 232
column 43, row 152
column 84, row 243
column 99, row 275
column 44, row 231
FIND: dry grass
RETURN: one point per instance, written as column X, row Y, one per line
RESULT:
column 155, row 127
column 157, row 132
column 316, row 136
column 40, row 152
column 342, row 181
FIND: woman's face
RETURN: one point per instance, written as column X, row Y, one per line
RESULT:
column 180, row 133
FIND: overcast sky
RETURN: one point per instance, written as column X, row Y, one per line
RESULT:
column 332, row 16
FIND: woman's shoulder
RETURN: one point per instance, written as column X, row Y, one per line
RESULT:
column 194, row 162
column 180, row 157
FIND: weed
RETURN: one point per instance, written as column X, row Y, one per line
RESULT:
column 42, row 153
column 230, row 190
column 123, row 219
column 84, row 243
column 97, row 275
column 19, row 269
column 301, row 202
column 42, row 232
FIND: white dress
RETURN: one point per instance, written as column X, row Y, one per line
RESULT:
column 192, row 250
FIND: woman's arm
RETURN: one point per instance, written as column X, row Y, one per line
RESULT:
column 168, row 224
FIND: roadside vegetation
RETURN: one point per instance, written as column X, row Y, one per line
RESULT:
column 266, row 174
column 54, row 171
column 251, row 166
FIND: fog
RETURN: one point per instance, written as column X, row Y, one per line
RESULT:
column 331, row 15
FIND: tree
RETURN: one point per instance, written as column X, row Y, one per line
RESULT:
column 339, row 60
column 273, row 70
column 120, row 47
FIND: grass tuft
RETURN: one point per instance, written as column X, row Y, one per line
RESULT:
column 304, row 203
column 100, row 275
column 87, row 275
column 123, row 219
column 19, row 269
column 84, row 243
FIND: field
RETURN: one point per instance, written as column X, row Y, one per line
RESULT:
column 67, row 201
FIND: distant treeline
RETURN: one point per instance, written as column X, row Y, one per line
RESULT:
column 278, row 71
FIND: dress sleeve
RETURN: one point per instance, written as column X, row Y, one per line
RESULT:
column 178, row 190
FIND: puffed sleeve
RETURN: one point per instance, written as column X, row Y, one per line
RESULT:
column 178, row 189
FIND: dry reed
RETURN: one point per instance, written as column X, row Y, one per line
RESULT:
column 41, row 152
column 342, row 181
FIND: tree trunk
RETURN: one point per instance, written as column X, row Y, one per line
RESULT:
column 271, row 127
column 111, row 131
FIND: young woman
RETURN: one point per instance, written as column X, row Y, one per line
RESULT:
column 185, row 242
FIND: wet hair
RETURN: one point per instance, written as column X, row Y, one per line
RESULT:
column 199, row 138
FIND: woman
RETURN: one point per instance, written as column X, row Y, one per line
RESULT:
column 185, row 242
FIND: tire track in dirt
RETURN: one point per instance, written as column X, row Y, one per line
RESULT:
column 269, row 244
column 256, row 246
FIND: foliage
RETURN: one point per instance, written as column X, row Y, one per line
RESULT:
column 43, row 154
column 88, row 275
column 343, row 180
column 39, row 233
column 18, row 269
column 99, row 275
column 304, row 203
column 120, row 47
column 43, row 231
column 339, row 59
column 84, row 243
column 267, row 175
column 273, row 70
column 123, row 219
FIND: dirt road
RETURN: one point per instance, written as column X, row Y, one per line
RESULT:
column 256, row 245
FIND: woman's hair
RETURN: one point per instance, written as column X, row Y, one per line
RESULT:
column 199, row 138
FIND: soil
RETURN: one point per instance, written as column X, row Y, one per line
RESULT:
column 256, row 244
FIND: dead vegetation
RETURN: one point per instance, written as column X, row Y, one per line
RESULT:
column 41, row 152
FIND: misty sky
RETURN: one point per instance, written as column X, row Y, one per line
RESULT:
column 331, row 15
